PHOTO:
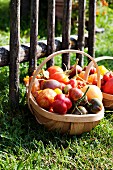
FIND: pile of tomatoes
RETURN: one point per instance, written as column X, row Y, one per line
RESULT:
column 66, row 92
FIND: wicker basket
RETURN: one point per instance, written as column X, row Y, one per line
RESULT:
column 107, row 98
column 69, row 123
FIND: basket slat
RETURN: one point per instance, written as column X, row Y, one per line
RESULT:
column 77, row 128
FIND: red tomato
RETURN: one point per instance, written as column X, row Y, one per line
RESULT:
column 75, row 94
column 107, row 76
column 73, row 82
column 61, row 104
column 108, row 87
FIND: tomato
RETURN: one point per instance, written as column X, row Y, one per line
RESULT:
column 91, row 71
column 95, row 105
column 81, row 75
column 26, row 80
column 108, row 87
column 61, row 104
column 107, row 76
column 54, row 69
column 45, row 98
column 75, row 94
column 80, row 84
column 67, row 88
column 80, row 110
column 102, row 69
column 92, row 79
column 59, row 107
column 93, row 92
column 52, row 84
column 58, row 91
column 60, row 76
column 73, row 82
column 73, row 70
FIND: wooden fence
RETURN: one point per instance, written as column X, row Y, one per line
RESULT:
column 16, row 52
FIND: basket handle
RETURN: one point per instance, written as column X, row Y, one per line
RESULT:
column 92, row 63
column 62, row 52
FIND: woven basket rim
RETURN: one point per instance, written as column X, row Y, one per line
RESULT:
column 107, row 96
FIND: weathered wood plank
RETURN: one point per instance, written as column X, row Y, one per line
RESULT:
column 4, row 56
column 81, row 28
column 41, row 49
column 33, row 35
column 91, row 27
column 66, row 29
column 14, row 54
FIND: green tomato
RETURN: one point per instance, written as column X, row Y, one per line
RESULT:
column 95, row 105
column 81, row 110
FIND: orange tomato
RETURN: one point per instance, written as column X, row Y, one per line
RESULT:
column 60, row 76
column 92, row 79
column 45, row 98
column 93, row 92
column 54, row 69
column 81, row 75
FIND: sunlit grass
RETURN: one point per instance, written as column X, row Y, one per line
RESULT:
column 104, row 41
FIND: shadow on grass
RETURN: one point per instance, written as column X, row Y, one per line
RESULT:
column 22, row 130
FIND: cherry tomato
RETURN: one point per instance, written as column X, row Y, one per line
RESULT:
column 107, row 76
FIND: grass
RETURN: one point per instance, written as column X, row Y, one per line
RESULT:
column 26, row 145
column 4, row 22
column 104, row 41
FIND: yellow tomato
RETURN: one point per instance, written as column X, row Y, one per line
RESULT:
column 26, row 80
column 58, row 91
column 102, row 69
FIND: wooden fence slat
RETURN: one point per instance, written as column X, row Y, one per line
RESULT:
column 91, row 27
column 4, row 56
column 51, row 31
column 33, row 35
column 81, row 28
column 66, row 29
column 14, row 54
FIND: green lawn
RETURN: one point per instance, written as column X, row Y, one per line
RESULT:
column 26, row 145
column 4, row 22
